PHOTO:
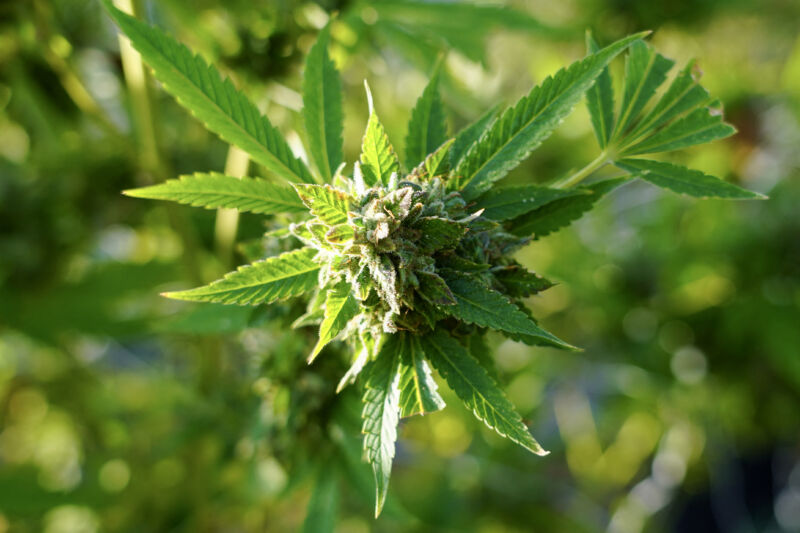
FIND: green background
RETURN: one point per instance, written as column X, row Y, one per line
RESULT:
column 123, row 411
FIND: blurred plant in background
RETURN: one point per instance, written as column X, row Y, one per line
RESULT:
column 118, row 414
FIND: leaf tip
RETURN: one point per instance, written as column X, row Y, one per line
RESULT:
column 369, row 98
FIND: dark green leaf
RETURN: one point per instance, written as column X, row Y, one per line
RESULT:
column 438, row 233
column 563, row 212
column 477, row 389
column 518, row 282
column 600, row 100
column 504, row 203
column 434, row 289
column 469, row 135
column 684, row 180
column 427, row 129
column 482, row 306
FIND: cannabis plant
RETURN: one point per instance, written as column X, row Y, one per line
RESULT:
column 411, row 263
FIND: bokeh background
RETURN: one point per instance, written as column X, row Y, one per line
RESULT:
column 121, row 411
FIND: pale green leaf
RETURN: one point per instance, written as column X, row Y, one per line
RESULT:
column 418, row 390
column 381, row 414
column 645, row 71
column 322, row 107
column 326, row 203
column 378, row 159
column 212, row 190
column 562, row 212
column 479, row 392
column 600, row 100
column 216, row 102
column 427, row 129
column 438, row 162
column 482, row 306
column 684, row 180
column 287, row 275
column 340, row 308
column 521, row 128
column 505, row 203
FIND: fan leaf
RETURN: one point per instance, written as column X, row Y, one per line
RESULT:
column 473, row 385
column 684, row 180
column 213, row 190
column 198, row 87
column 381, row 414
column 287, row 275
column 523, row 127
column 482, row 306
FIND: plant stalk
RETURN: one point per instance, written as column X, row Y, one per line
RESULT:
column 227, row 222
column 570, row 181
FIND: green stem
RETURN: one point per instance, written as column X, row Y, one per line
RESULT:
column 570, row 181
column 228, row 219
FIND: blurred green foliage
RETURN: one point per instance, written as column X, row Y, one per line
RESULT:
column 682, row 414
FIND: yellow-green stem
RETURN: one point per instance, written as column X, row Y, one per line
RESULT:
column 228, row 219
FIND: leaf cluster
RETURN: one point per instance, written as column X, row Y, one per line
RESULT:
column 410, row 263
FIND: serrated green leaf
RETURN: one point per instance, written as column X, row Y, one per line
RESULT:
column 381, row 414
column 198, row 86
column 482, row 306
column 438, row 162
column 324, row 503
column 700, row 126
column 322, row 107
column 418, row 390
column 479, row 392
column 645, row 71
column 523, row 127
column 519, row 282
column 684, row 180
column 427, row 128
column 326, row 203
column 505, row 203
column 287, row 275
column 340, row 308
column 479, row 349
column 560, row 213
column 434, row 289
column 340, row 234
column 684, row 93
column 213, row 190
column 438, row 233
column 470, row 134
column 600, row 100
column 378, row 159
